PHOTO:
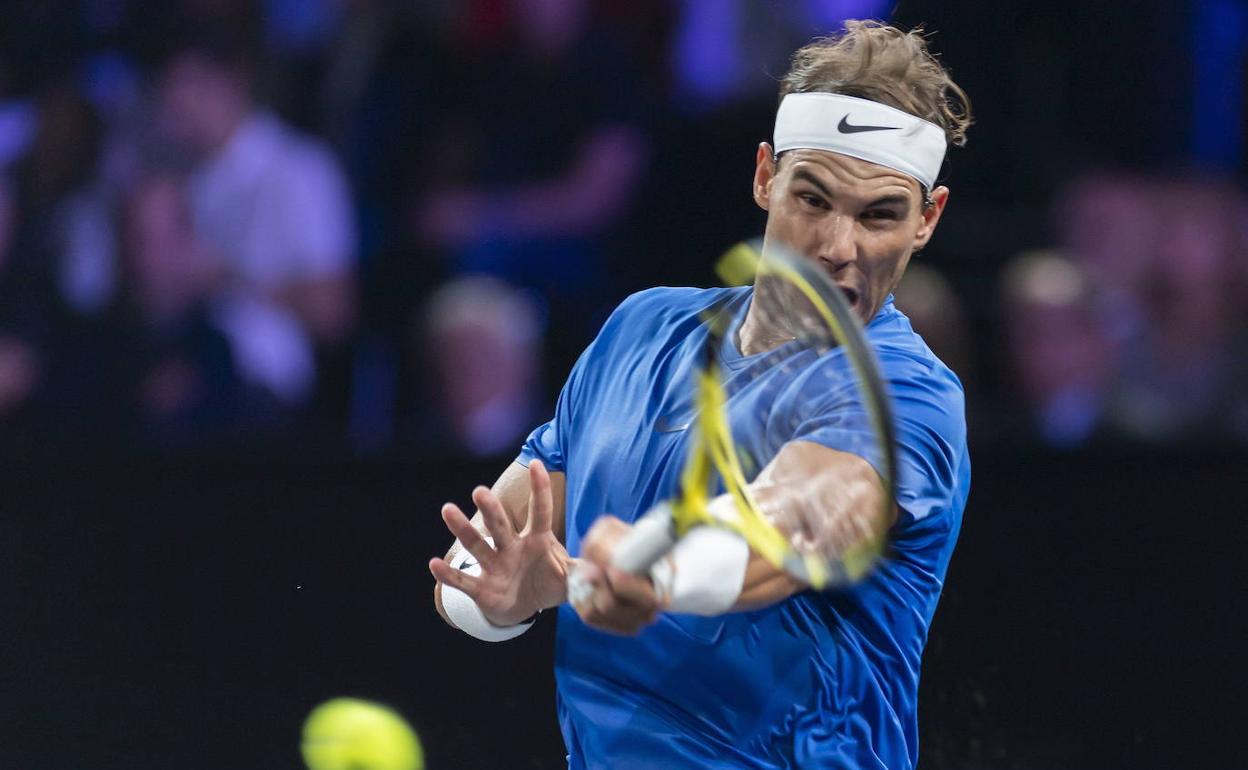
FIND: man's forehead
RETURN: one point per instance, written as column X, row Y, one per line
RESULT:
column 844, row 170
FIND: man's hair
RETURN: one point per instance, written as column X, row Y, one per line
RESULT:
column 874, row 61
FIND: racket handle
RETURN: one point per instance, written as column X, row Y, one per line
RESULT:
column 652, row 536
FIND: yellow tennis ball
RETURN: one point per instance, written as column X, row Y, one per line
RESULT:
column 353, row 734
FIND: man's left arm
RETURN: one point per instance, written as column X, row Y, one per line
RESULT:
column 805, row 482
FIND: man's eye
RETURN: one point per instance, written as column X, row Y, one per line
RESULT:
column 880, row 214
column 812, row 200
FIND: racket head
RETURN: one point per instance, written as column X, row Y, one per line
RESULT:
column 816, row 367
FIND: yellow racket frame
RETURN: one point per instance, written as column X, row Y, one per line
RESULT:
column 713, row 452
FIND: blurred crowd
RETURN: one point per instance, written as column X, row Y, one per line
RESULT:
column 1134, row 327
column 1130, row 329
column 387, row 225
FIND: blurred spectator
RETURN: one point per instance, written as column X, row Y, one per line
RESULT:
column 116, row 86
column 524, row 183
column 301, row 25
column 167, row 274
column 162, row 369
column 270, row 204
column 726, row 51
column 377, row 100
column 21, row 362
column 66, row 217
column 48, row 212
column 17, row 122
column 382, row 76
column 1106, row 222
column 1183, row 375
column 482, row 341
column 1164, row 258
column 1060, row 356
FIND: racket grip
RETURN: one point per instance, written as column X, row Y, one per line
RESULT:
column 652, row 536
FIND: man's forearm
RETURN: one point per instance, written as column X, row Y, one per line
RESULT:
column 765, row 585
column 834, row 494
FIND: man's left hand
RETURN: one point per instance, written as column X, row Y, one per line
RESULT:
column 621, row 603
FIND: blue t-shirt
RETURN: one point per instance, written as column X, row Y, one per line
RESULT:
column 820, row 680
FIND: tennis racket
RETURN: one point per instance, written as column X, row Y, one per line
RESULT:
column 814, row 342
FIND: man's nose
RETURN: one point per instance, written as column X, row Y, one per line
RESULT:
column 837, row 245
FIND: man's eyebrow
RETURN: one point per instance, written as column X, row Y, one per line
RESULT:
column 902, row 201
column 806, row 176
column 890, row 200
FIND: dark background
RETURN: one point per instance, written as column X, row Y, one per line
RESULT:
column 189, row 615
column 186, row 603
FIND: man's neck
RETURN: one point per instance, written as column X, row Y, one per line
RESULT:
column 754, row 337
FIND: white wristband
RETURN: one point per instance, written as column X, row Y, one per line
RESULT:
column 704, row 573
column 465, row 613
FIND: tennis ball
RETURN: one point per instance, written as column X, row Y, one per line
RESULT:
column 353, row 734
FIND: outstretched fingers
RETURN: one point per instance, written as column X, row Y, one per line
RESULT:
column 497, row 521
column 468, row 536
column 541, row 501
column 455, row 578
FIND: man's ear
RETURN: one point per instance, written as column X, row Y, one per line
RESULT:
column 931, row 216
column 764, row 174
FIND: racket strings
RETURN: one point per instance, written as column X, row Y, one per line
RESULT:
column 855, row 560
column 792, row 318
column 713, row 451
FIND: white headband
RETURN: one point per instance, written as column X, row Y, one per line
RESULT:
column 861, row 129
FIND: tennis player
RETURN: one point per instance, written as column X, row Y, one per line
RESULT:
column 736, row 664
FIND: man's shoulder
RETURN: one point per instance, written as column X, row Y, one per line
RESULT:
column 663, row 305
column 673, row 299
column 920, row 382
column 901, row 348
column 652, row 319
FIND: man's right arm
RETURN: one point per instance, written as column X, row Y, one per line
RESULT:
column 514, row 491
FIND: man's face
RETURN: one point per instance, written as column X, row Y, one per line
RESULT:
column 858, row 220
column 200, row 102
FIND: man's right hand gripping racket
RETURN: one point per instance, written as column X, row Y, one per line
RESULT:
column 811, row 341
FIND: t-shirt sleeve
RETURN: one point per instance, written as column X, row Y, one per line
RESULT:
column 929, row 418
column 552, row 442
column 543, row 444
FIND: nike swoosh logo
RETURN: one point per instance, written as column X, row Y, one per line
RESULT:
column 845, row 127
column 664, row 425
